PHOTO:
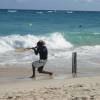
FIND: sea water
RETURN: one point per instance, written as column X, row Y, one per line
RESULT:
column 64, row 32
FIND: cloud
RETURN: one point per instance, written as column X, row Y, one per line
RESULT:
column 87, row 1
column 22, row 1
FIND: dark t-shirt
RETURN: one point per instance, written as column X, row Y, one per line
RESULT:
column 42, row 51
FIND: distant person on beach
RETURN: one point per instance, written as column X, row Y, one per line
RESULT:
column 40, row 49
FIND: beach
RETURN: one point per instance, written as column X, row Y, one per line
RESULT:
column 64, row 33
column 15, row 84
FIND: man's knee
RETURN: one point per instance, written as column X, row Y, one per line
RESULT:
column 40, row 69
column 33, row 65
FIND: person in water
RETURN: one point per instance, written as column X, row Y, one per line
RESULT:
column 42, row 50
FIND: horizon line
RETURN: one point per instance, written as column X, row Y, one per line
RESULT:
column 49, row 9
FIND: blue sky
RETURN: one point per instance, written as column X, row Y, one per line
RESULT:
column 90, row 5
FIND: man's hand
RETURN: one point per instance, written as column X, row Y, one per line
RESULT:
column 27, row 48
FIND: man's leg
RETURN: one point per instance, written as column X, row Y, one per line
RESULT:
column 33, row 69
column 40, row 70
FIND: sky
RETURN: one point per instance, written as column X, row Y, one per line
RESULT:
column 83, row 5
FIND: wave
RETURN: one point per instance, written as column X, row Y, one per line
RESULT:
column 54, row 41
column 82, row 51
column 69, row 12
column 12, row 11
column 96, row 33
column 39, row 12
column 58, row 46
column 88, row 50
column 50, row 11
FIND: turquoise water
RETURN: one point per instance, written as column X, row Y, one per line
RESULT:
column 64, row 32
column 77, row 27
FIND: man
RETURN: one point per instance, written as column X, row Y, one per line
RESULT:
column 40, row 49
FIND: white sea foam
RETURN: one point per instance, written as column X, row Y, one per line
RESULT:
column 58, row 46
column 50, row 11
column 96, row 33
column 69, row 12
column 39, row 12
column 88, row 49
column 57, row 41
column 12, row 11
column 54, row 41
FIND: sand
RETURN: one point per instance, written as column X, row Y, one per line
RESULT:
column 15, row 85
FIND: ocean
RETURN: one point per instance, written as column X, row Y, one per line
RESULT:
column 63, row 31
